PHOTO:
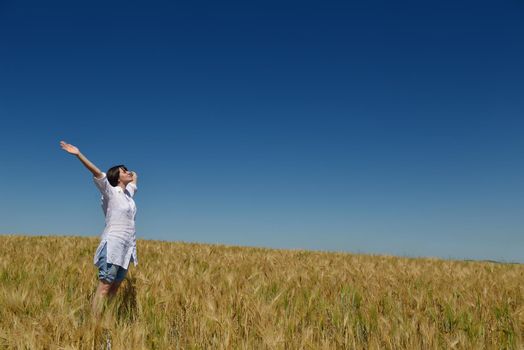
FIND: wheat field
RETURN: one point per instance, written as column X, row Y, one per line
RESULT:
column 198, row 296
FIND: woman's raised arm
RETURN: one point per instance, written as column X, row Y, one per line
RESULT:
column 90, row 166
column 135, row 178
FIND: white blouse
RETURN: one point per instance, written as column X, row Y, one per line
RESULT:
column 119, row 233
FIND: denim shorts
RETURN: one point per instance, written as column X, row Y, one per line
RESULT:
column 109, row 272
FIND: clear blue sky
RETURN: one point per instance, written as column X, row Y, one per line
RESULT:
column 369, row 126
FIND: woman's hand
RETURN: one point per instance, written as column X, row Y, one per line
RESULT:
column 90, row 166
column 69, row 148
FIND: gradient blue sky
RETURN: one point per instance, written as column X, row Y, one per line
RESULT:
column 363, row 126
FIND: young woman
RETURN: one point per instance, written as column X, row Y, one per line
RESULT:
column 117, row 246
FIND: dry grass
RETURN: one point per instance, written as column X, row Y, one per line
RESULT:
column 195, row 296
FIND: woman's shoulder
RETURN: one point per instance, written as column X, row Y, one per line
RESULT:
column 103, row 185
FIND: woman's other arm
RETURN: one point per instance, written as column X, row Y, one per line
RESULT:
column 135, row 178
column 75, row 151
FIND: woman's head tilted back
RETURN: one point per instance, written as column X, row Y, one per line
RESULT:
column 119, row 172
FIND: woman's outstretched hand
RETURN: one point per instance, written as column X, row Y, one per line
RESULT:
column 90, row 166
column 69, row 148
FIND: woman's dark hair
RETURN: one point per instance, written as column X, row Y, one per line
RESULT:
column 113, row 174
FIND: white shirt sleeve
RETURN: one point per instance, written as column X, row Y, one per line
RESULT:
column 131, row 188
column 103, row 185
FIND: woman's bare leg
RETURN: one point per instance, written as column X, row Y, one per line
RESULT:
column 101, row 292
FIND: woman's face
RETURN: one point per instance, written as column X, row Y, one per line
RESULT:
column 125, row 176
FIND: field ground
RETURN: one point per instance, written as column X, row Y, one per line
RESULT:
column 198, row 296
